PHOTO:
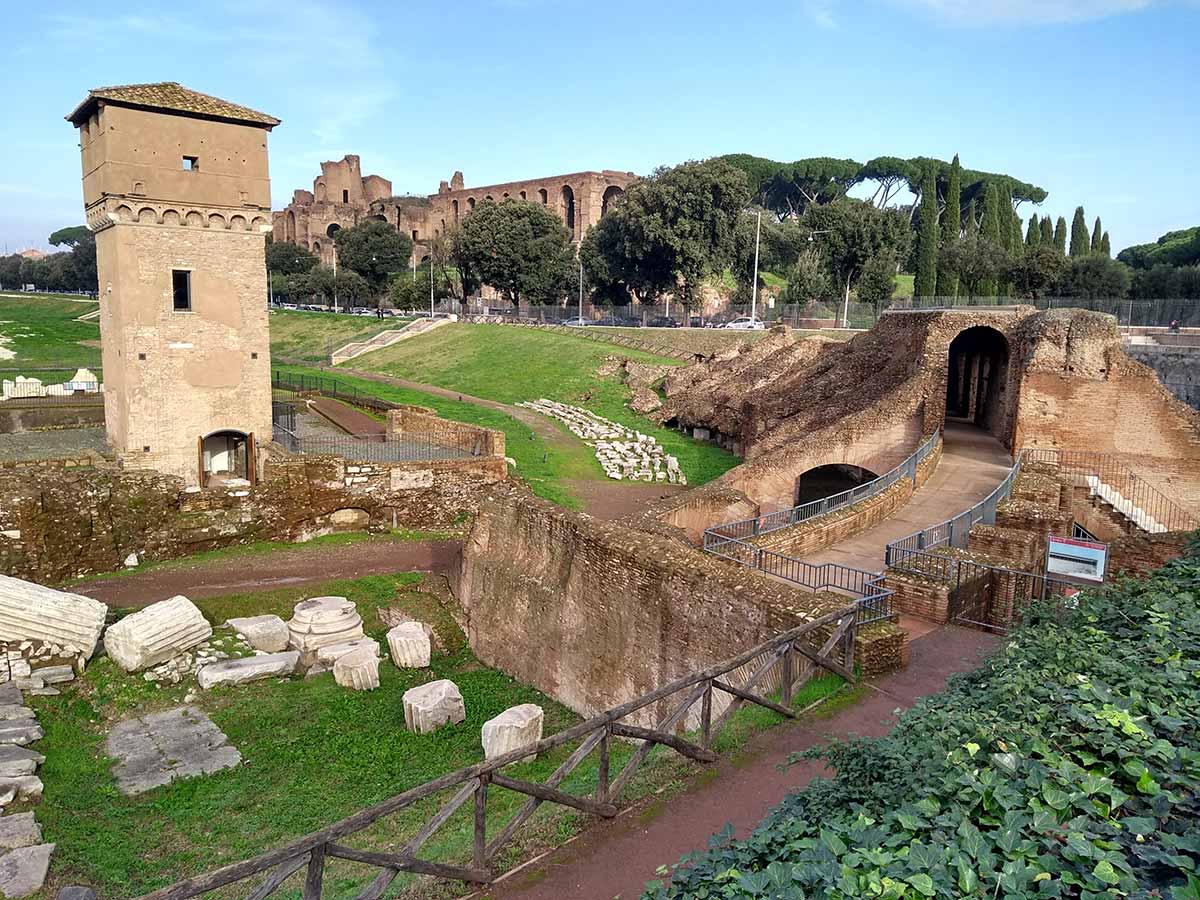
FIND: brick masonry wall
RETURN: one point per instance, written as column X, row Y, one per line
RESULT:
column 595, row 614
column 15, row 418
column 1138, row 553
column 419, row 420
column 916, row 595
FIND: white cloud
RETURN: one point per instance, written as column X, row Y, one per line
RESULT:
column 821, row 12
column 1023, row 12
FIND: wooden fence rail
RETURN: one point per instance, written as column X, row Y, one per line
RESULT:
column 478, row 782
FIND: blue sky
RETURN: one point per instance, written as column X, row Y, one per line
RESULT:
column 1094, row 101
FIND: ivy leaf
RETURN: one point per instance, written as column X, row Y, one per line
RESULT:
column 922, row 883
column 1105, row 872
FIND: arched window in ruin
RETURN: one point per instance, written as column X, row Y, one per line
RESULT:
column 568, row 209
column 319, row 190
column 489, row 197
column 316, row 249
column 611, row 193
column 826, row 481
column 224, row 455
column 543, row 196
column 454, row 209
column 345, row 196
column 977, row 370
column 505, row 197
column 414, row 236
column 333, row 229
column 289, row 226
column 470, row 203
column 523, row 197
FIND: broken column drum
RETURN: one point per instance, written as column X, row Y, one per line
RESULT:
column 159, row 632
column 358, row 669
column 430, row 705
column 321, row 621
column 32, row 612
column 410, row 645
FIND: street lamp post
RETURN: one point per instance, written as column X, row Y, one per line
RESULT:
column 754, row 283
column 581, row 290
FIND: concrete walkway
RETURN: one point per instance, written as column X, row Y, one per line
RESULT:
column 972, row 464
column 346, row 417
column 616, row 858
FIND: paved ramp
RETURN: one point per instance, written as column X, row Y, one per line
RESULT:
column 973, row 463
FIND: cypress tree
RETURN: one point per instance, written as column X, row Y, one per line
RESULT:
column 972, row 219
column 1060, row 235
column 951, row 226
column 925, row 284
column 1033, row 235
column 1047, row 231
column 1097, row 234
column 989, row 228
column 1105, row 246
column 1080, row 245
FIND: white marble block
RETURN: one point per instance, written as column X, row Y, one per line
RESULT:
column 358, row 669
column 267, row 633
column 248, row 668
column 430, row 705
column 321, row 621
column 159, row 632
column 517, row 726
column 331, row 653
column 410, row 645
column 32, row 612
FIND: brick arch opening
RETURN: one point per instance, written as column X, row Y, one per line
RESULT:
column 568, row 208
column 225, row 455
column 976, row 379
column 289, row 227
column 333, row 229
column 824, row 481
column 611, row 193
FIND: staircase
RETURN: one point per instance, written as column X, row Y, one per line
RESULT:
column 1118, row 503
column 385, row 339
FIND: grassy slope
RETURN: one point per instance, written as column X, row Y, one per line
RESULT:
column 508, row 364
column 313, row 336
column 904, row 285
column 44, row 332
column 695, row 340
column 312, row 753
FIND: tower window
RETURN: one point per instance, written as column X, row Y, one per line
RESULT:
column 181, row 290
column 345, row 196
column 191, row 164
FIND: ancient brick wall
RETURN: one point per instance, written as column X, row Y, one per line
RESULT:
column 423, row 421
column 595, row 614
column 1135, row 554
column 40, row 417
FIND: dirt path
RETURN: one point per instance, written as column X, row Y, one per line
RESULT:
column 617, row 858
column 293, row 567
column 346, row 417
column 601, row 497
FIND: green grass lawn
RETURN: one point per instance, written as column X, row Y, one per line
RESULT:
column 312, row 753
column 511, row 365
column 904, row 285
column 313, row 336
column 43, row 332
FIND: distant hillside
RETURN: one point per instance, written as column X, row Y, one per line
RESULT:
column 1175, row 248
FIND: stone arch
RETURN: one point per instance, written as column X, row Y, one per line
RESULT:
column 454, row 209
column 505, row 196
column 443, row 225
column 123, row 213
column 224, row 454
column 611, row 193
column 316, row 248
column 824, row 481
column 216, row 220
column 238, row 223
column 523, row 197
column 376, row 218
column 259, row 223
column 332, row 229
column 567, row 208
column 319, row 190
column 470, row 203
column 977, row 379
column 147, row 216
column 193, row 219
column 489, row 198
column 289, row 226
column 170, row 217
column 544, row 196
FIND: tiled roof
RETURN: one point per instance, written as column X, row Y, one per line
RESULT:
column 170, row 95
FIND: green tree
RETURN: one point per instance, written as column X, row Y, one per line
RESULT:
column 925, row 284
column 951, row 227
column 877, row 283
column 1097, row 235
column 314, row 286
column 1080, row 245
column 977, row 261
column 1033, row 234
column 669, row 232
column 851, row 232
column 1060, row 235
column 1095, row 277
column 809, row 279
column 1047, row 232
column 288, row 259
column 972, row 220
column 373, row 249
column 1105, row 245
column 521, row 249
column 72, row 236
column 1036, row 271
column 990, row 235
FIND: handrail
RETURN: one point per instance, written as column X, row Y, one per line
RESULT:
column 785, row 518
column 312, row 849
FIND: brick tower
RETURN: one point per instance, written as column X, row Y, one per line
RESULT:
column 177, row 191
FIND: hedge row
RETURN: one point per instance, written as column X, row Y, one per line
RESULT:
column 1067, row 766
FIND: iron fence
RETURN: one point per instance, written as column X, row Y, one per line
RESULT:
column 1148, row 312
column 296, row 383
column 785, row 518
column 68, row 393
column 372, row 448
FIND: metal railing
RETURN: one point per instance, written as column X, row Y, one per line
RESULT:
column 301, row 383
column 827, row 642
column 873, row 600
column 372, row 448
column 785, row 518
column 1110, row 478
column 70, row 393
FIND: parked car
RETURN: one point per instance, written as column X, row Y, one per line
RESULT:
column 745, row 323
column 664, row 322
column 613, row 321
column 577, row 321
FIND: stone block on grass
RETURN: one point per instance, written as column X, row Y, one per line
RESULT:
column 248, row 668
column 157, row 633
column 268, row 633
column 432, row 705
column 358, row 669
column 410, row 645
column 516, row 727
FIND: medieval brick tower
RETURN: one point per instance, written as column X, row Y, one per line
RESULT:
column 177, row 191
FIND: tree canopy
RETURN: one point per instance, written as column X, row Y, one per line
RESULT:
column 72, row 236
column 521, row 249
column 288, row 259
column 1175, row 248
column 851, row 232
column 373, row 249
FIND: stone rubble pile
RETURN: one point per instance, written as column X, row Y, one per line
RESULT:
column 24, row 859
column 625, row 454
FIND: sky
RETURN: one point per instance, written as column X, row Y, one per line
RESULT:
column 1093, row 100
